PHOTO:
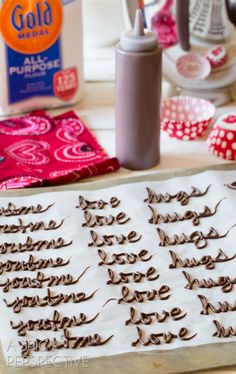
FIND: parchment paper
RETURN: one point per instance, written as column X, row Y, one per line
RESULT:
column 112, row 316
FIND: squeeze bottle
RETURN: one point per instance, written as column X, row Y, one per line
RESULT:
column 138, row 94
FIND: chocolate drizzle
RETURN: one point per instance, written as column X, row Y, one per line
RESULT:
column 57, row 322
column 68, row 342
column 142, row 318
column 30, row 245
column 198, row 238
column 181, row 196
column 32, row 226
column 39, row 280
column 13, row 210
column 135, row 276
column 49, row 300
column 187, row 215
column 109, row 240
column 93, row 220
column 32, row 264
column 225, row 282
column 97, row 204
column 123, row 257
column 129, row 296
column 222, row 331
column 161, row 338
column 219, row 307
column 232, row 185
column 206, row 260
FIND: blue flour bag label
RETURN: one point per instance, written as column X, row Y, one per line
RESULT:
column 32, row 31
column 32, row 26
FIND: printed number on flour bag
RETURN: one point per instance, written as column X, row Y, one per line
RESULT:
column 40, row 54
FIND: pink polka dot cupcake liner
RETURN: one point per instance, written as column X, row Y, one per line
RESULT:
column 193, row 66
column 222, row 139
column 185, row 117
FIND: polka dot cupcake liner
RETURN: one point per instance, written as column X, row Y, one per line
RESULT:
column 222, row 139
column 185, row 117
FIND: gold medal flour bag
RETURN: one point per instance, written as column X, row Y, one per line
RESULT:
column 41, row 62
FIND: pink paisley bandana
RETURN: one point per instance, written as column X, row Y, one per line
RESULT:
column 36, row 150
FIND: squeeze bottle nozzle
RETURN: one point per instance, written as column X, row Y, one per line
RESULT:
column 138, row 39
column 138, row 24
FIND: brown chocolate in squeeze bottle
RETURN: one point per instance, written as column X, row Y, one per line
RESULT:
column 138, row 95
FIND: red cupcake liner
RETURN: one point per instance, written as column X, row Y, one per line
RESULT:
column 186, row 118
column 183, row 131
column 222, row 139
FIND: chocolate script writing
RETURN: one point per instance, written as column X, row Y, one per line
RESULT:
column 206, row 260
column 48, row 300
column 32, row 264
column 12, row 210
column 222, row 331
column 92, row 220
column 219, row 307
column 198, row 238
column 57, row 322
column 129, row 296
column 30, row 245
column 109, row 212
column 141, row 318
column 182, row 197
column 225, row 282
column 39, row 280
column 108, row 240
column 195, row 217
column 32, row 226
column 97, row 204
column 161, row 338
column 123, row 257
column 135, row 276
column 67, row 342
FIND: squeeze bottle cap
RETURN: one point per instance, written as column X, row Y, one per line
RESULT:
column 138, row 39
